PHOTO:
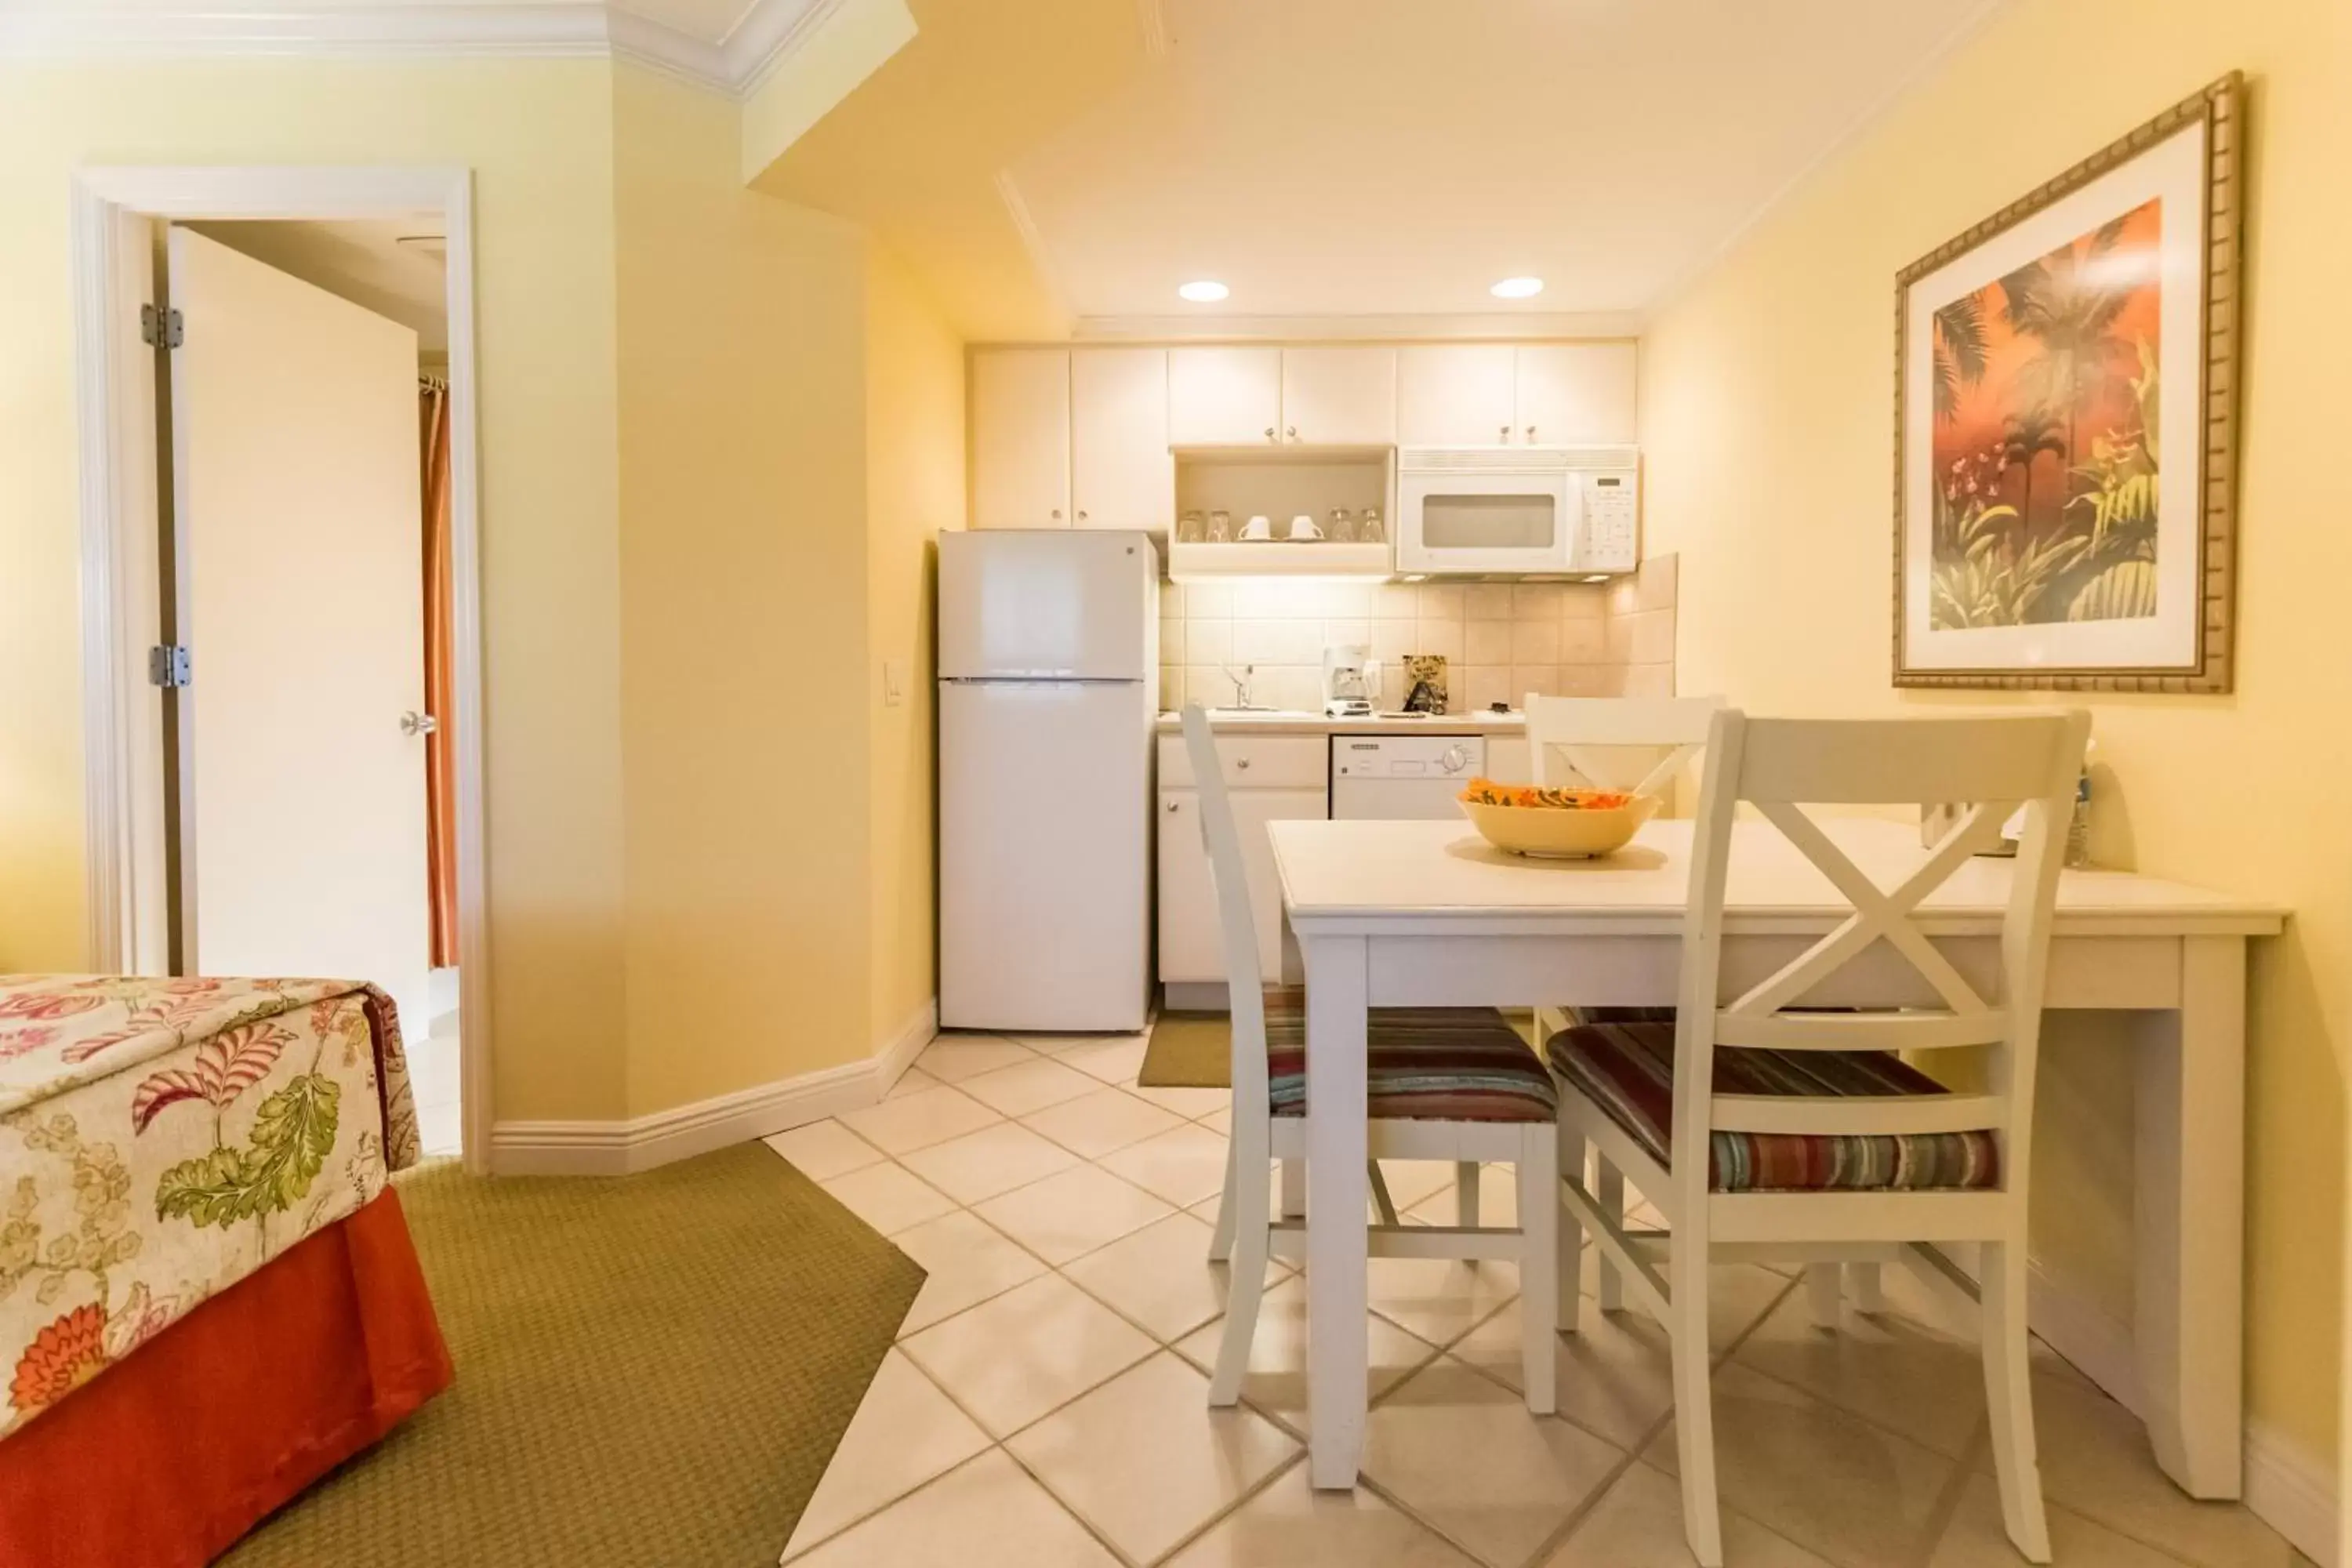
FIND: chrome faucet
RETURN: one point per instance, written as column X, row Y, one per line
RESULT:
column 1241, row 683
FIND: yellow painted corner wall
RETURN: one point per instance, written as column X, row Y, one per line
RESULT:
column 915, row 487
column 1767, row 418
column 538, row 135
column 743, row 615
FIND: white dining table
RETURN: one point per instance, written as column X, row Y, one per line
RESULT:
column 1427, row 914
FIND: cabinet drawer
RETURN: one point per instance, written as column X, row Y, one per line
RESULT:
column 1254, row 762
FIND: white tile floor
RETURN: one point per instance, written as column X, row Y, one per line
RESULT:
column 1046, row 1404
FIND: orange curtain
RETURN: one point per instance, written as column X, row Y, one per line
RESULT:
column 440, row 746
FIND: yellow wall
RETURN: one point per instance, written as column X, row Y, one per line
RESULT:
column 538, row 137
column 709, row 844
column 915, row 487
column 1767, row 409
column 742, row 614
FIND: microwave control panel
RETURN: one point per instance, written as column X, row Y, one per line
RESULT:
column 1610, row 540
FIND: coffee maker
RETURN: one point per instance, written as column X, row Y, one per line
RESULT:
column 1351, row 681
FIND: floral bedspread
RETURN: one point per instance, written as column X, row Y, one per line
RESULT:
column 161, row 1139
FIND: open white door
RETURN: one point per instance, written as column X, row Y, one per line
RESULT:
column 298, row 525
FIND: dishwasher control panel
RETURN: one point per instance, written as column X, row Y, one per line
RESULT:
column 1402, row 776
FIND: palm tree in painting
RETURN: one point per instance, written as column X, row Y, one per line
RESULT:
column 2068, row 301
column 1959, row 352
column 2027, row 436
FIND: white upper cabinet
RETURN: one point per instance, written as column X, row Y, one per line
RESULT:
column 1121, row 475
column 1224, row 396
column 1575, row 395
column 1339, row 397
column 1533, row 394
column 1456, row 394
column 1021, row 438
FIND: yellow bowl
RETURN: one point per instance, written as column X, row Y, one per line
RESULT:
column 1552, row 833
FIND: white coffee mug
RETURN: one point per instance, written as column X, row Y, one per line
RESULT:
column 1305, row 527
column 1259, row 527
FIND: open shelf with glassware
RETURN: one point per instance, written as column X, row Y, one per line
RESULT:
column 1284, row 511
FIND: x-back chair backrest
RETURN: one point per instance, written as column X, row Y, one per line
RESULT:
column 1592, row 735
column 1221, row 834
column 1992, row 766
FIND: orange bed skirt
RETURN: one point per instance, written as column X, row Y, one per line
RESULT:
column 165, row 1459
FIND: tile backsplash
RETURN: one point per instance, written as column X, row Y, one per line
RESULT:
column 1500, row 640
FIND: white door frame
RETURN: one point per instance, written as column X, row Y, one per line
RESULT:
column 123, row 785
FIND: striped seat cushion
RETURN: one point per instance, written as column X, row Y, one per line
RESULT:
column 1627, row 1069
column 1428, row 1064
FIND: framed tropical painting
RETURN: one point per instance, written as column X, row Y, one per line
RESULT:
column 2064, row 425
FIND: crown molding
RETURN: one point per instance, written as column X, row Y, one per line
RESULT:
column 1500, row 326
column 767, row 34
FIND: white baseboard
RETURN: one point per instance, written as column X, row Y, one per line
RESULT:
column 2098, row 1343
column 642, row 1142
column 2284, row 1487
column 2293, row 1494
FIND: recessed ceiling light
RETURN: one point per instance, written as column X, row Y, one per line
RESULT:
column 1517, row 288
column 1205, row 291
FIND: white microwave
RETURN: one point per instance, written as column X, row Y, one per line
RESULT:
column 1517, row 512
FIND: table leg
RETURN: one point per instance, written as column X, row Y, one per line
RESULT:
column 1337, row 1351
column 2190, row 1221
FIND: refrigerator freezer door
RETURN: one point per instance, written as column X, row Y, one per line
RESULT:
column 1044, row 855
column 1019, row 604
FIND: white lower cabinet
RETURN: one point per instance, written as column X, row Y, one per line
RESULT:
column 1191, row 951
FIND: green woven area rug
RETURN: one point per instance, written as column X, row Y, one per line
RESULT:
column 1188, row 1050
column 652, row 1372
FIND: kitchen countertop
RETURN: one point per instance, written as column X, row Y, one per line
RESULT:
column 1228, row 723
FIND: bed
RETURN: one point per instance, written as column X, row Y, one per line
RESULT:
column 208, row 1295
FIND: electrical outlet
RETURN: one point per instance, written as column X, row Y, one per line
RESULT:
column 894, row 682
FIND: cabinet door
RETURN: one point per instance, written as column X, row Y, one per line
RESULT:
column 1576, row 394
column 1021, row 438
column 1224, row 396
column 1120, row 473
column 1190, row 948
column 1455, row 395
column 1340, row 397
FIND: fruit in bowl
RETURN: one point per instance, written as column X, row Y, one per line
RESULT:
column 1555, row 824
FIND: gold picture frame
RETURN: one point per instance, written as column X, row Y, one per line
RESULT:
column 2047, row 343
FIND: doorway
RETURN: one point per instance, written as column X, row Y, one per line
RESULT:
column 287, row 795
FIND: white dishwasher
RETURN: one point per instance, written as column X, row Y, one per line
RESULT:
column 1397, row 776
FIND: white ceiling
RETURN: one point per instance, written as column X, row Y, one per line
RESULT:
column 1395, row 157
column 377, row 263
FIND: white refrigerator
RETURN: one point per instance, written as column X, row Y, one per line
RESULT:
column 1048, row 671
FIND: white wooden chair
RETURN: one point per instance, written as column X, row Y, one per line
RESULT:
column 1801, row 1133
column 1636, row 743
column 1492, row 1099
column 1615, row 742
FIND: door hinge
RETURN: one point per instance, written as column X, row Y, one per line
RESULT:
column 160, row 329
column 167, row 665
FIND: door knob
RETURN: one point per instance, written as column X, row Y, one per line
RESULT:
column 415, row 723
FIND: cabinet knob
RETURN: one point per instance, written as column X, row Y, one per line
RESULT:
column 1242, row 764
column 1269, row 432
column 1057, row 512
column 1506, row 432
column 1173, row 807
column 1531, row 432
column 1082, row 516
column 1294, row 432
